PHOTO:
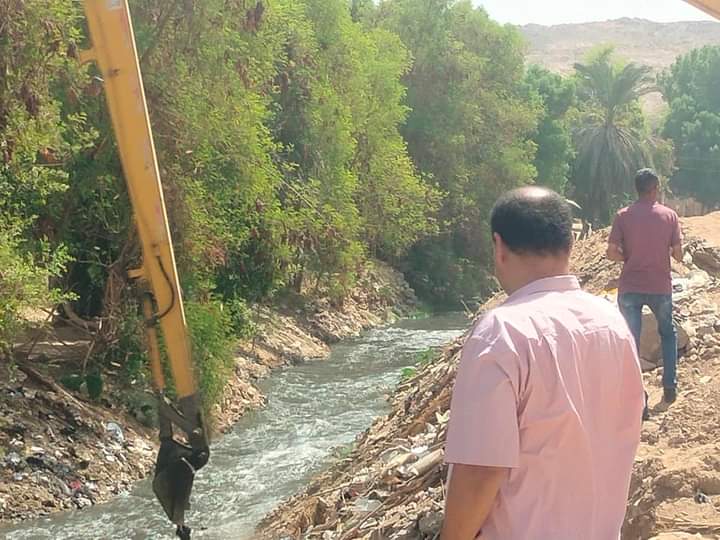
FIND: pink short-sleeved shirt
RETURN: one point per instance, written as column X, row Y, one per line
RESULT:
column 550, row 387
column 646, row 231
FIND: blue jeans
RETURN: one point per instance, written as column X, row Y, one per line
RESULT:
column 631, row 305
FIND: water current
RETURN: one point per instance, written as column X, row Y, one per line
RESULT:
column 312, row 409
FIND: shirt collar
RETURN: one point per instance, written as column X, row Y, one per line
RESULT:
column 551, row 284
column 646, row 203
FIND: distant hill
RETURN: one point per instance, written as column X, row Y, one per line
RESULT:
column 654, row 44
column 637, row 40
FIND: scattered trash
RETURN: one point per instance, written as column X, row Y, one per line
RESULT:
column 363, row 504
column 115, row 431
column 83, row 502
column 75, row 485
column 64, row 488
column 17, row 444
column 13, row 460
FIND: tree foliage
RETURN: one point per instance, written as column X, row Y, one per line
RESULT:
column 469, row 130
column 556, row 95
column 277, row 127
column 37, row 140
column 296, row 139
column 610, row 136
column 690, row 86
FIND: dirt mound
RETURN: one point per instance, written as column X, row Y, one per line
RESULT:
column 391, row 485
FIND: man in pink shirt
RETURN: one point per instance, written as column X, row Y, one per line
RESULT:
column 546, row 410
column 643, row 237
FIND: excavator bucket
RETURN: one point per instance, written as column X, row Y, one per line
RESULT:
column 177, row 462
column 174, row 476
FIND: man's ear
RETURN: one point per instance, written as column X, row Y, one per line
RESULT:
column 499, row 247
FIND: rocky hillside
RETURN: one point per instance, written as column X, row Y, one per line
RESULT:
column 654, row 44
column 392, row 485
column 641, row 41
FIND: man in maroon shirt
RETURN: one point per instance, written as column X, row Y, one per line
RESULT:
column 644, row 236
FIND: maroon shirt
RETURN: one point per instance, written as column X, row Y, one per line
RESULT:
column 646, row 232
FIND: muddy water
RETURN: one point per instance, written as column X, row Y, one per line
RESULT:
column 312, row 409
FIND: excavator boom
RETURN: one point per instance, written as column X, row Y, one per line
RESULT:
column 711, row 7
column 114, row 52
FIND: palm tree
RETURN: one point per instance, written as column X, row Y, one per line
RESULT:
column 609, row 139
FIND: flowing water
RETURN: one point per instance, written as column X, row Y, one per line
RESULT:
column 312, row 409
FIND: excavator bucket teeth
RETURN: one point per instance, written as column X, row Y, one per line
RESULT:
column 173, row 482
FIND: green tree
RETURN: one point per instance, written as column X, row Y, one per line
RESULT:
column 690, row 86
column 468, row 131
column 349, row 185
column 610, row 136
column 38, row 140
column 553, row 136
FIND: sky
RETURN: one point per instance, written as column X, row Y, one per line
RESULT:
column 549, row 12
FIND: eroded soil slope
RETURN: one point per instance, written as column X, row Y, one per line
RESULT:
column 391, row 485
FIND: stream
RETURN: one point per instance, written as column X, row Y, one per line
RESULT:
column 271, row 453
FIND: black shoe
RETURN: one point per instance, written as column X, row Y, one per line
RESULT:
column 669, row 395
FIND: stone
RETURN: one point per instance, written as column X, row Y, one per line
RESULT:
column 82, row 502
column 650, row 346
column 430, row 524
column 705, row 331
column 115, row 431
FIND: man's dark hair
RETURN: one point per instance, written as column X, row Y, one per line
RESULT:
column 645, row 181
column 534, row 221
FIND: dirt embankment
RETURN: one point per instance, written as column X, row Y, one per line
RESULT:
column 60, row 451
column 304, row 328
column 391, row 486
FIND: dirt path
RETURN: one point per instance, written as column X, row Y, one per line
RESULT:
column 705, row 227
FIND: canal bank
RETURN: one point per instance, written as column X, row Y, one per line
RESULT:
column 311, row 419
column 61, row 450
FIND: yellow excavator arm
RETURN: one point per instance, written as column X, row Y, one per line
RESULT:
column 113, row 50
column 711, row 7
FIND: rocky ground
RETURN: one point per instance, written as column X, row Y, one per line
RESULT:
column 391, row 486
column 59, row 450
